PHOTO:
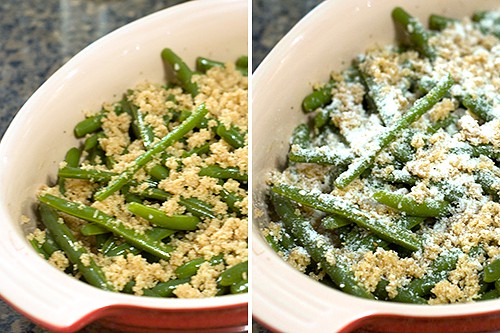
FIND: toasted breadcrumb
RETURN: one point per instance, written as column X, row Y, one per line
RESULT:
column 224, row 92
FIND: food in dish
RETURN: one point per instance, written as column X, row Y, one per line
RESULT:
column 154, row 201
column 391, row 187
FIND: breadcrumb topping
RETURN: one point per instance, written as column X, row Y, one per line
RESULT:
column 223, row 90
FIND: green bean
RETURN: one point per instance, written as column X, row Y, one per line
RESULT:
column 356, row 239
column 231, row 200
column 232, row 136
column 397, row 177
column 488, row 23
column 159, row 172
column 145, row 132
column 439, row 22
column 418, row 35
column 319, row 156
column 322, row 118
column 93, row 175
column 242, row 64
column 477, row 151
column 89, row 125
column 452, row 118
column 233, row 274
column 334, row 205
column 319, row 97
column 201, row 150
column 240, row 287
column 301, row 136
column 489, row 182
column 165, row 289
column 173, row 136
column 128, row 287
column 204, row 64
column 418, row 288
column 91, row 214
column 402, row 149
column 67, row 241
column 156, row 234
column 422, row 105
column 92, row 141
column 161, row 219
column 405, row 203
column 38, row 248
column 182, row 72
column 492, row 271
column 332, row 222
column 50, row 246
column 381, row 291
column 72, row 159
column 378, row 99
column 191, row 267
column 91, row 229
column 195, row 206
column 479, row 106
column 218, row 172
column 318, row 247
column 492, row 294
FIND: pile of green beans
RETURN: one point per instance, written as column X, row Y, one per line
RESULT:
column 311, row 210
column 105, row 234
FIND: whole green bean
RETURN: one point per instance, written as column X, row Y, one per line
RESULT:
column 182, row 72
column 72, row 159
column 319, row 156
column 165, row 289
column 492, row 271
column 161, row 219
column 88, row 174
column 419, row 37
column 318, row 247
column 332, row 222
column 156, row 234
column 334, row 205
column 242, row 64
column 91, row 214
column 218, row 172
column 240, row 287
column 231, row 136
column 173, row 136
column 479, row 106
column 422, row 105
column 318, row 98
column 68, row 243
column 191, row 267
column 301, row 136
column 418, row 288
column 204, row 64
column 405, row 203
column 233, row 274
column 92, row 229
column 88, row 125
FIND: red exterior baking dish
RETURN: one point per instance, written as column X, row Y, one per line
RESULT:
column 42, row 132
column 326, row 40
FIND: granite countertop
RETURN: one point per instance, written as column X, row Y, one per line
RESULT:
column 38, row 37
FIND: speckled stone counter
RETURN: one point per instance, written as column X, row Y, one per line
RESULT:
column 36, row 38
column 271, row 20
